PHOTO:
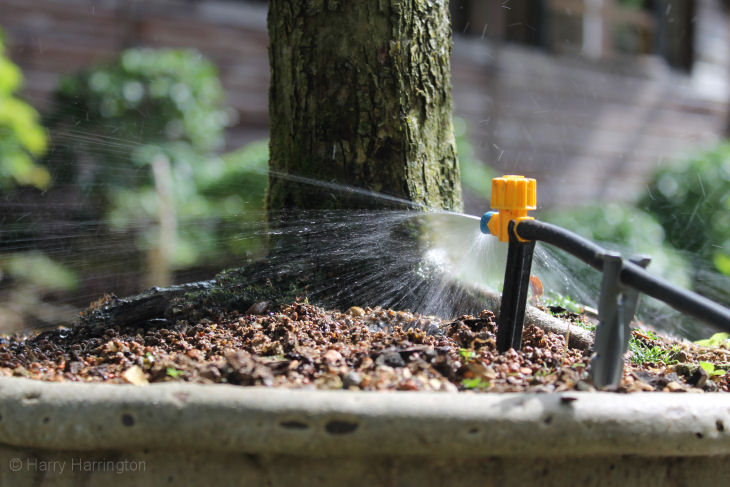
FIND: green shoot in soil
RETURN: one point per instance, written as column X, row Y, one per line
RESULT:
column 174, row 373
column 475, row 383
column 642, row 353
column 467, row 354
column 711, row 370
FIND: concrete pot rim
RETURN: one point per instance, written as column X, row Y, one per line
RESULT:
column 224, row 418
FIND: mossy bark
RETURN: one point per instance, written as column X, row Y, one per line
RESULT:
column 361, row 96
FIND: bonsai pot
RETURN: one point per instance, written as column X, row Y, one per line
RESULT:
column 184, row 434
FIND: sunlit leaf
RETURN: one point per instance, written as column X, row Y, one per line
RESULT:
column 715, row 340
column 22, row 138
column 10, row 76
column 39, row 270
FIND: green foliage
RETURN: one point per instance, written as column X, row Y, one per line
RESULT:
column 173, row 372
column 39, row 271
column 691, row 201
column 159, row 108
column 22, row 139
column 630, row 229
column 716, row 340
column 160, row 95
column 467, row 354
column 643, row 351
column 216, row 202
column 238, row 193
column 475, row 175
column 711, row 370
column 475, row 383
column 642, row 354
column 146, row 104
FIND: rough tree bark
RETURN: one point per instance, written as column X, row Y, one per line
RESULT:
column 361, row 95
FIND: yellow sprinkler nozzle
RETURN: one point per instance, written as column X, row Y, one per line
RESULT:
column 513, row 196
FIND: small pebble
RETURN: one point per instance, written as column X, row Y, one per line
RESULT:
column 356, row 311
column 674, row 387
column 351, row 379
column 135, row 375
column 260, row 308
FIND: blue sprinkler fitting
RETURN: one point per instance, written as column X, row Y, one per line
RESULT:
column 484, row 223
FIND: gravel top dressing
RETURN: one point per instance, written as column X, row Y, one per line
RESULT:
column 304, row 346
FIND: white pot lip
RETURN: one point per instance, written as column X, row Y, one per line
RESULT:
column 236, row 419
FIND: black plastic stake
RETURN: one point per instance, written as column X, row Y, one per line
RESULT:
column 607, row 363
column 514, row 295
column 616, row 309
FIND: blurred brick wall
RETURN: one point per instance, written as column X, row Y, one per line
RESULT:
column 588, row 131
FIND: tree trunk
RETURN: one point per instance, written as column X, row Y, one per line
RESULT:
column 361, row 96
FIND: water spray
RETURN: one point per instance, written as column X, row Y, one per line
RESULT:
column 623, row 279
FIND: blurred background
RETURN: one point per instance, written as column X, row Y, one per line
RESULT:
column 133, row 145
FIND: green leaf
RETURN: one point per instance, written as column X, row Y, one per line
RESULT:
column 467, row 354
column 716, row 340
column 38, row 270
column 174, row 373
column 10, row 77
column 475, row 383
column 710, row 368
column 21, row 136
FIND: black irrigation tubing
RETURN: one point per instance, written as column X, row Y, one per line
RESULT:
column 631, row 275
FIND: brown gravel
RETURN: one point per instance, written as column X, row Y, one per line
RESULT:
column 363, row 349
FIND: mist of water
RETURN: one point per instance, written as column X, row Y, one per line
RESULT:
column 391, row 254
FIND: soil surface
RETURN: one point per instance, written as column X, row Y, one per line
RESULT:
column 300, row 345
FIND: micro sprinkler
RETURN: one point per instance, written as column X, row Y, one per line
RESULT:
column 512, row 197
